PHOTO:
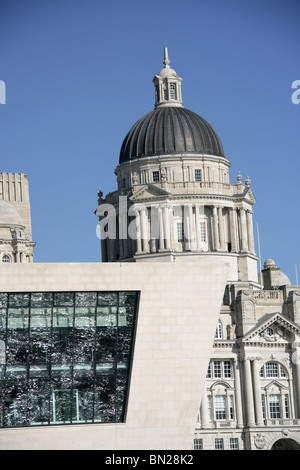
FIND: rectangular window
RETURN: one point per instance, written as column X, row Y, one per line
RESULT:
column 282, row 372
column 227, row 369
column 234, row 443
column 67, row 357
column 198, row 444
column 219, row 444
column 286, row 406
column 198, row 175
column 208, row 375
column 220, row 406
column 231, row 411
column 180, row 232
column 155, row 176
column 271, row 369
column 274, row 406
column 263, row 406
column 217, row 369
column 203, row 231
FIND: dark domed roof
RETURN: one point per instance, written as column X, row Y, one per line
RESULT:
column 170, row 130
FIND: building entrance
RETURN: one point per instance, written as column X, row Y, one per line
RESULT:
column 285, row 444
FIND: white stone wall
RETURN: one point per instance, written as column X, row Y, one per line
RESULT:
column 179, row 307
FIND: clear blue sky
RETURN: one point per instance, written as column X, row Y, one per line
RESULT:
column 78, row 74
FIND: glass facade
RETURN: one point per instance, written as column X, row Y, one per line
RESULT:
column 65, row 357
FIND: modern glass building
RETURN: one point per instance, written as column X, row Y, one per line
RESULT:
column 65, row 357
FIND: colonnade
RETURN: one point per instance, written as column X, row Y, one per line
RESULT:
column 154, row 230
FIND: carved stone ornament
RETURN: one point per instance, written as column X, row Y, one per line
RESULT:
column 259, row 441
column 277, row 333
column 163, row 175
column 135, row 178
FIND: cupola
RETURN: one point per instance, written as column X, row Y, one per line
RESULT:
column 167, row 85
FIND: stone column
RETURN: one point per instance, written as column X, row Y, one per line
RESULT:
column 144, row 229
column 238, row 395
column 138, row 232
column 233, row 231
column 198, row 231
column 166, row 221
column 257, row 393
column 120, row 240
column 215, row 229
column 250, row 232
column 191, row 229
column 161, row 230
column 248, row 393
column 186, row 224
column 297, row 386
column 221, row 229
column 244, row 241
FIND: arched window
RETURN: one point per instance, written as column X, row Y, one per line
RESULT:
column 172, row 91
column 220, row 399
column 5, row 259
column 272, row 369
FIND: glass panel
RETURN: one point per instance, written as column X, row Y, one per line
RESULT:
column 15, row 403
column 2, row 318
column 86, row 299
column 40, row 317
column 83, row 344
column 107, row 298
column 106, row 316
column 18, row 318
column 18, row 300
column 40, row 345
column 39, row 401
column 64, row 298
column 104, row 407
column 62, row 345
column 17, row 346
column 3, row 299
column 84, row 317
column 41, row 299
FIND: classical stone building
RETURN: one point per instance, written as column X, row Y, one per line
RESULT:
column 175, row 203
column 252, row 393
column 16, row 245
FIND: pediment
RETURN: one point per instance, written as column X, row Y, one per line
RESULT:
column 248, row 194
column 149, row 191
column 274, row 385
column 272, row 328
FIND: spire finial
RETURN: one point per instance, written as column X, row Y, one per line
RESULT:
column 166, row 58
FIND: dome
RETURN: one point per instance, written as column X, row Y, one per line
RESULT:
column 8, row 214
column 170, row 130
column 269, row 263
column 167, row 72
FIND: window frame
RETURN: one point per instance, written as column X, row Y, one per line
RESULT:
column 198, row 175
column 155, row 176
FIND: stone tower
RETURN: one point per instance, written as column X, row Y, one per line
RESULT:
column 16, row 245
